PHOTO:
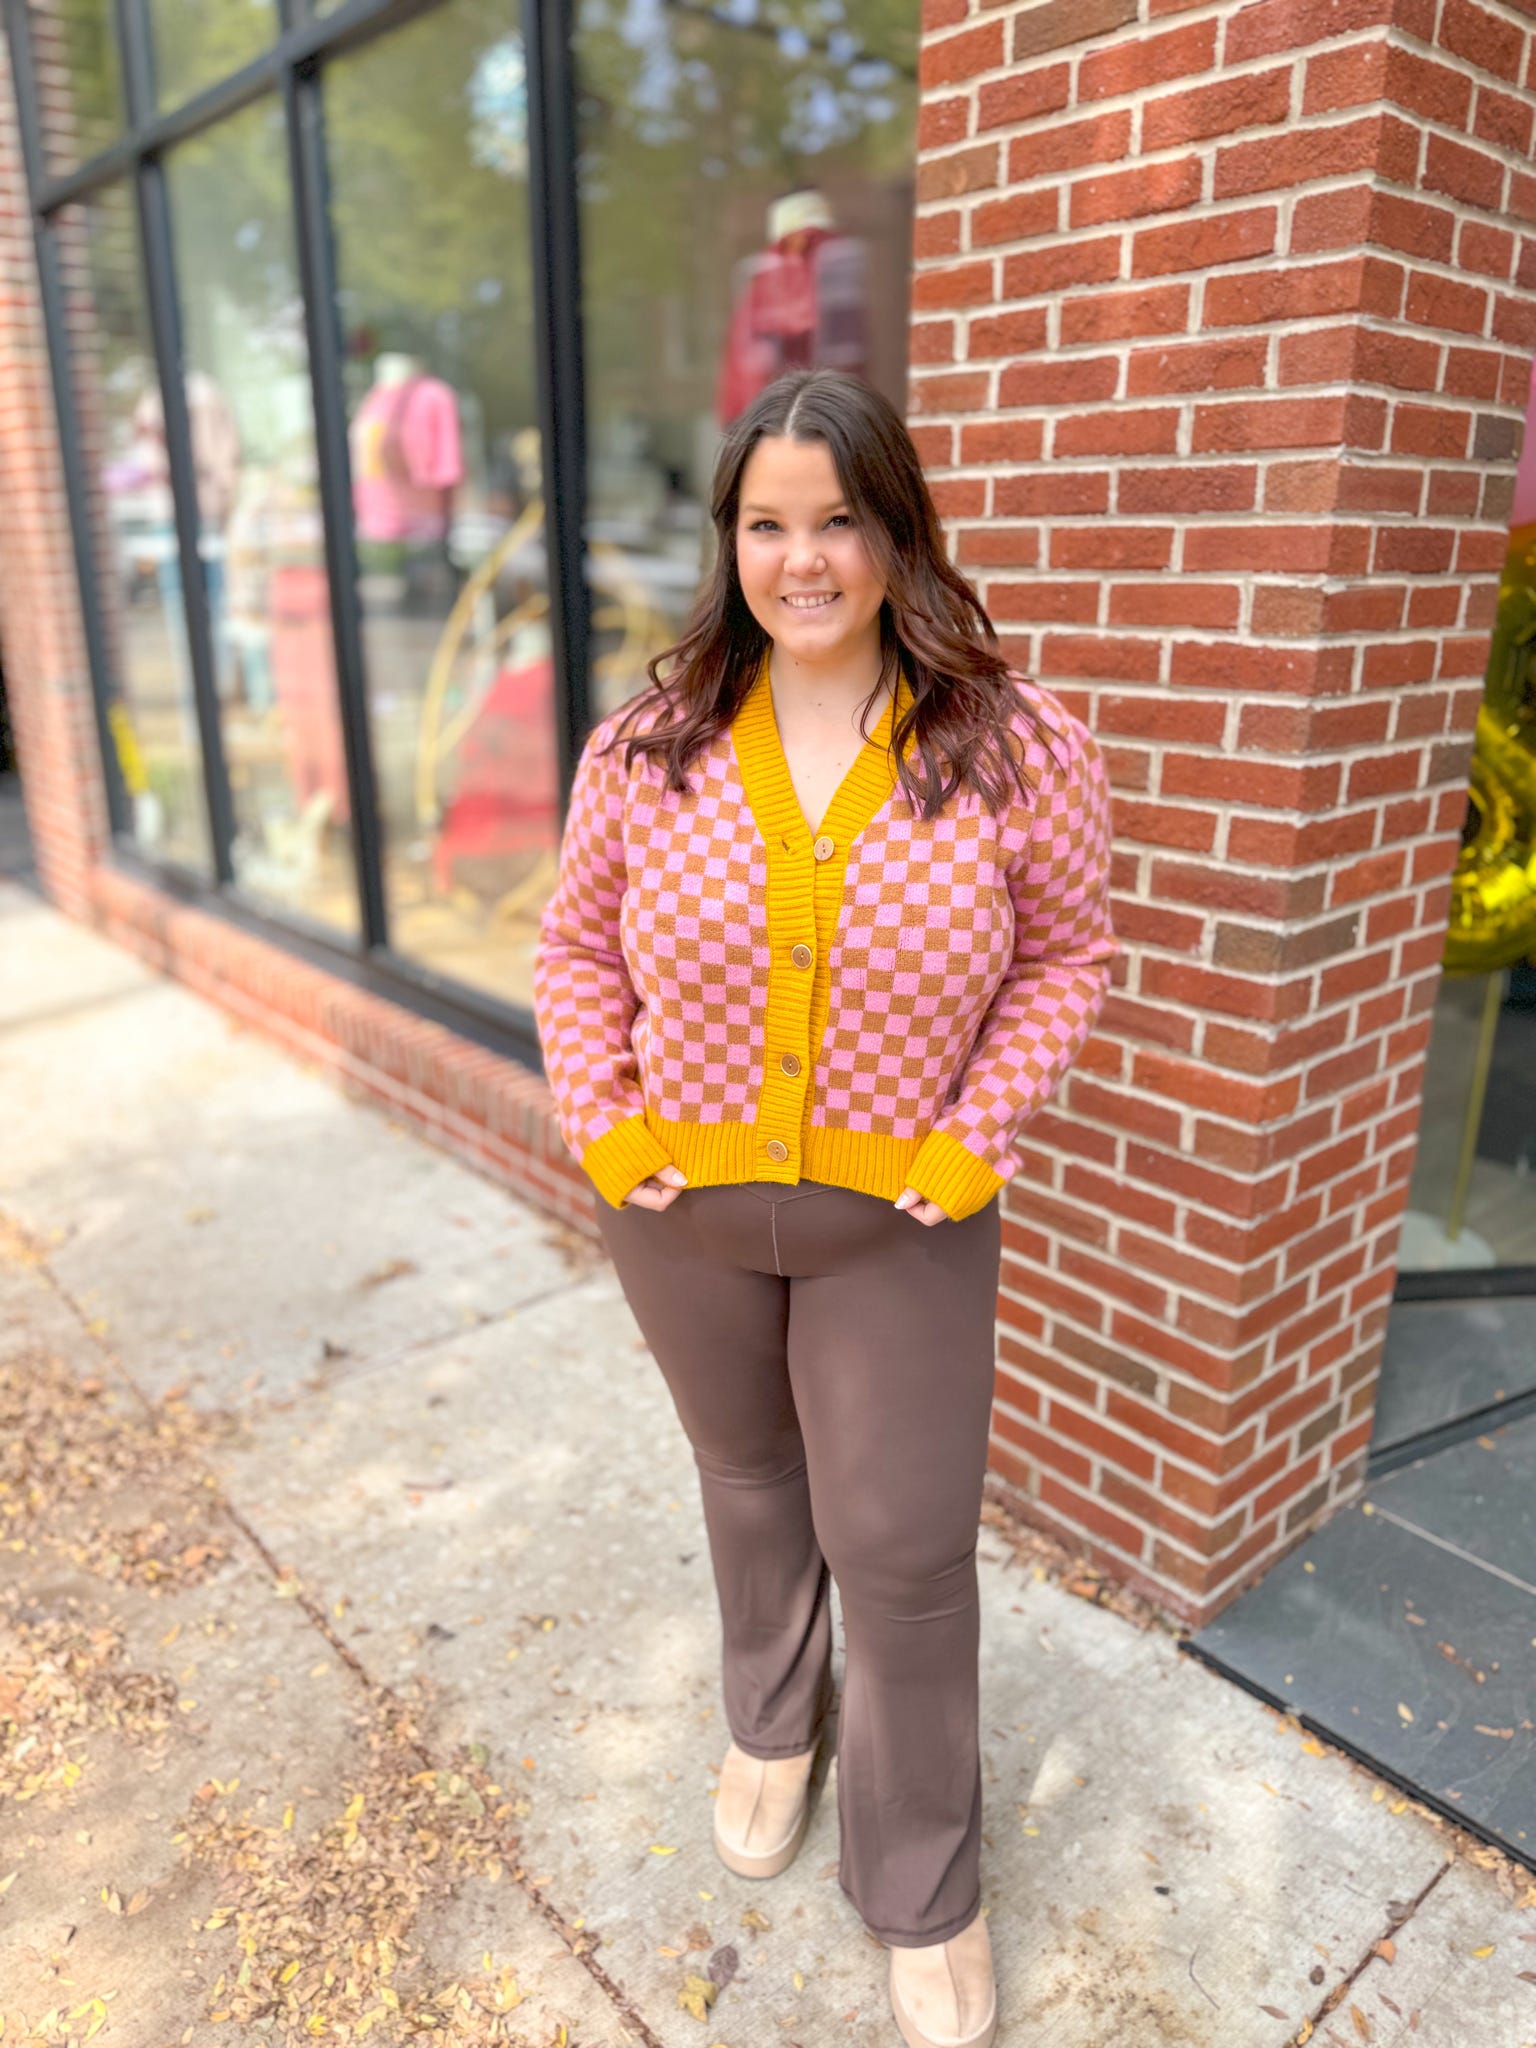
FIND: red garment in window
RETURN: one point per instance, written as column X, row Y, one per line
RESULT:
column 304, row 683
column 799, row 305
column 506, row 801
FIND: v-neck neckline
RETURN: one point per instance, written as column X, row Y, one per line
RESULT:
column 771, row 792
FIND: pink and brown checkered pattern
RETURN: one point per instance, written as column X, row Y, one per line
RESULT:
column 970, row 959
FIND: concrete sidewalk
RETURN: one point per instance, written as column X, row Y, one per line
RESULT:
column 359, row 1653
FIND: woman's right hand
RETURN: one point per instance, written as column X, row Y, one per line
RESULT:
column 658, row 1190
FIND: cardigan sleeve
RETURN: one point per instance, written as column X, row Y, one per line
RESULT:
column 584, row 1002
column 1044, row 1009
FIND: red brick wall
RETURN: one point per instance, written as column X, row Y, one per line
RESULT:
column 1223, row 324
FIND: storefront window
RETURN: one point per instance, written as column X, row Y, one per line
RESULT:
column 74, row 55
column 744, row 183
column 197, row 42
column 261, row 536
column 427, row 137
column 746, row 207
column 150, row 706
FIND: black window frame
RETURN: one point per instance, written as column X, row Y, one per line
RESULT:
column 291, row 69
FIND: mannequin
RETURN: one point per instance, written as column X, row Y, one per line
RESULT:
column 393, row 366
column 799, row 304
column 407, row 456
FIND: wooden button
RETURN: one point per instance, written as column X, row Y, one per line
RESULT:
column 801, row 956
column 790, row 1063
column 776, row 1149
column 823, row 849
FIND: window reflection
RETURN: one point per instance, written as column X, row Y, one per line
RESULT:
column 746, row 208
column 197, row 42
column 261, row 540
column 150, row 707
column 74, row 58
column 427, row 136
column 745, row 186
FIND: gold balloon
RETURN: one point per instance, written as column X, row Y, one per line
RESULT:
column 1493, row 889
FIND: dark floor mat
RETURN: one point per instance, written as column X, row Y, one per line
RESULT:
column 1479, row 1497
column 1405, row 1631
column 1447, row 1359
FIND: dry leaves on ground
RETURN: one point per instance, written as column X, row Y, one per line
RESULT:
column 77, row 1459
column 59, row 1682
column 322, row 1923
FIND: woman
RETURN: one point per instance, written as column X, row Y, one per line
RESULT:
column 799, row 988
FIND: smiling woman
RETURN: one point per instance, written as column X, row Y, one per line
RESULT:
column 798, row 959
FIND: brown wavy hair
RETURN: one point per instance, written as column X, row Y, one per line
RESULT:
column 933, row 627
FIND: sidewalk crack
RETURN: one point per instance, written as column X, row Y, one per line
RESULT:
column 1399, row 1913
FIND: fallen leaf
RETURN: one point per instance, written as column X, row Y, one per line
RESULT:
column 698, row 1995
column 392, row 1269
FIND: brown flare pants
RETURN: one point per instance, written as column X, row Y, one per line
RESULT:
column 831, row 1361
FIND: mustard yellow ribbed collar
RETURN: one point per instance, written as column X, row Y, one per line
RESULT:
column 770, row 790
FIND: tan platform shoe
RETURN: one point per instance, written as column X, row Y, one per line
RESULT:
column 762, row 1807
column 943, row 1996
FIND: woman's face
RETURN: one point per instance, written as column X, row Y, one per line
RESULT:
column 804, row 571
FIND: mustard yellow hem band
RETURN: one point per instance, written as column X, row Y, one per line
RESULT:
column 621, row 1158
column 716, row 1154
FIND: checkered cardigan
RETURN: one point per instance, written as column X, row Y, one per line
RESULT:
column 882, row 1003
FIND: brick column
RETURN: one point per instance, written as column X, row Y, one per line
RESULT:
column 1222, row 329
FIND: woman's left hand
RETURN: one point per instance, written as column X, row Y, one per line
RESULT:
column 914, row 1204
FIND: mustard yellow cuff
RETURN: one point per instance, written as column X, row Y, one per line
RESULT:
column 944, row 1172
column 621, row 1158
